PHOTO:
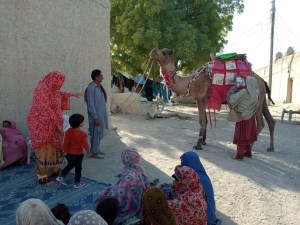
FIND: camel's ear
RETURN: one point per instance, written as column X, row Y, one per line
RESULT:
column 172, row 51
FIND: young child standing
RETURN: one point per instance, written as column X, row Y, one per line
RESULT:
column 74, row 143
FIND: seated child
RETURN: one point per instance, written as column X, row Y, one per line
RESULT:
column 108, row 208
column 61, row 212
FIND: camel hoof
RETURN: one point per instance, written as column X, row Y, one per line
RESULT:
column 270, row 149
column 196, row 147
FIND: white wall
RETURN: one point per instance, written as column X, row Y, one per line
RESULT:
column 283, row 69
column 38, row 36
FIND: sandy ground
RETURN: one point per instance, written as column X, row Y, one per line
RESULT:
column 264, row 189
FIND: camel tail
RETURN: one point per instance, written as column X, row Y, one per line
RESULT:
column 269, row 93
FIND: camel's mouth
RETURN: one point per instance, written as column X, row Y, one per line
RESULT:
column 153, row 53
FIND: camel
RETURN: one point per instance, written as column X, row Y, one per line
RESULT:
column 198, row 86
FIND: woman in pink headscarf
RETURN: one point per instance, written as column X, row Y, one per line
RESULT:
column 130, row 187
column 14, row 147
column 45, row 122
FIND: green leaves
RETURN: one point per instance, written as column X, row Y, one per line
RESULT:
column 194, row 28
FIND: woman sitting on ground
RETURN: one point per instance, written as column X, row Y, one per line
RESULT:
column 131, row 160
column 87, row 217
column 189, row 205
column 155, row 208
column 191, row 159
column 34, row 211
column 130, row 187
column 14, row 147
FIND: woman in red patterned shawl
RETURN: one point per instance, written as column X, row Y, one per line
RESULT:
column 189, row 205
column 45, row 122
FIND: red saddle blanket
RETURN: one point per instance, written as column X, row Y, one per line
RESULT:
column 223, row 74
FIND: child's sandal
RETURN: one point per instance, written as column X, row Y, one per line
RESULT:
column 45, row 180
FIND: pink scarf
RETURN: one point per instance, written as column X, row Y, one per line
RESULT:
column 130, row 188
column 14, row 145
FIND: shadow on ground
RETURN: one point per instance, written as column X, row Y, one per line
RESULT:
column 253, row 191
column 268, row 169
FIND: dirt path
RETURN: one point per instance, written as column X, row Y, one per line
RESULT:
column 262, row 190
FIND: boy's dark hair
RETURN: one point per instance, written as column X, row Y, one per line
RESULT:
column 75, row 120
column 108, row 208
column 61, row 212
column 95, row 73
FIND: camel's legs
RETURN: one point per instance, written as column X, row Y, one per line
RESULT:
column 259, row 121
column 203, row 125
column 271, row 124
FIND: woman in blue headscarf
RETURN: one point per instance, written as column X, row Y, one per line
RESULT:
column 191, row 159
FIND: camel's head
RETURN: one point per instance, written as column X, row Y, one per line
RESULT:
column 164, row 57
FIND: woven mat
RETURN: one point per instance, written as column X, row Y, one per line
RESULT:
column 19, row 183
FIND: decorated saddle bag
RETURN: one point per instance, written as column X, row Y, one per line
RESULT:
column 224, row 69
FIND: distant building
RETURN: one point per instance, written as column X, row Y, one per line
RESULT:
column 285, row 77
column 38, row 36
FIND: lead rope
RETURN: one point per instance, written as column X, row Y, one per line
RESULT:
column 215, row 118
column 209, row 116
column 147, row 68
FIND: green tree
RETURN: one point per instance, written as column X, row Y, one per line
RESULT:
column 194, row 28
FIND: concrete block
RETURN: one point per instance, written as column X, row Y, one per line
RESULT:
column 131, row 103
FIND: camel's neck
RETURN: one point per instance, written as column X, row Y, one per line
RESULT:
column 177, row 83
column 181, row 84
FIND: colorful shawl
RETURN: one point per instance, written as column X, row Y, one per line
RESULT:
column 45, row 115
column 129, row 189
column 191, row 159
column 86, row 217
column 131, row 160
column 34, row 211
column 155, row 208
column 189, row 205
column 14, row 146
column 243, row 103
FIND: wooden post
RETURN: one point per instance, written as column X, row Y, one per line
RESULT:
column 271, row 47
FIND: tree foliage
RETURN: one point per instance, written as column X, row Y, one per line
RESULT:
column 194, row 28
